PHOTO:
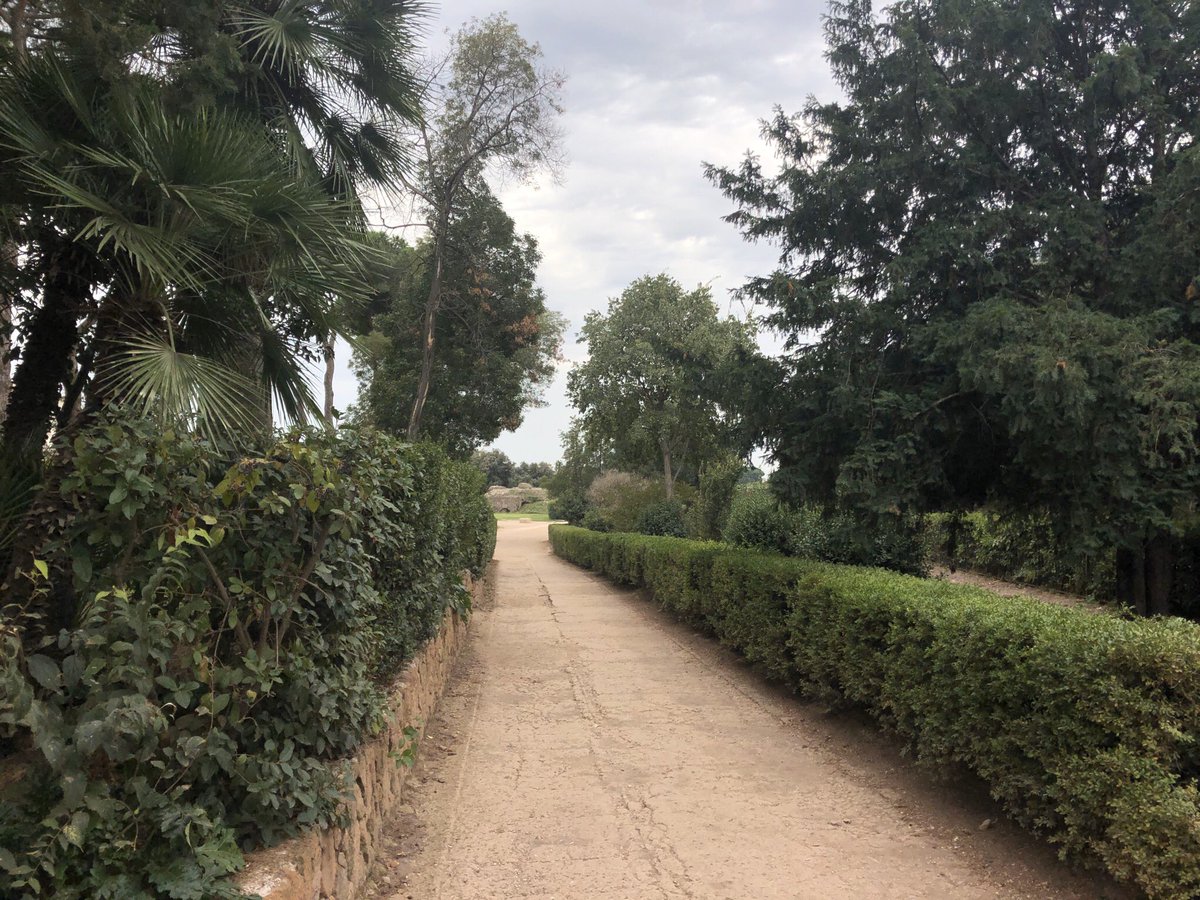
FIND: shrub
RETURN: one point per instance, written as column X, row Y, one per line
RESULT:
column 1018, row 548
column 718, row 482
column 758, row 522
column 664, row 518
column 229, row 618
column 1085, row 726
column 594, row 520
column 839, row 536
column 620, row 498
column 571, row 507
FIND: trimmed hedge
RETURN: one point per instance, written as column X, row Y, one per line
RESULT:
column 1084, row 726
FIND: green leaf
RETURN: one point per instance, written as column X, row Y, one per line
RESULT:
column 76, row 829
column 81, row 565
column 44, row 671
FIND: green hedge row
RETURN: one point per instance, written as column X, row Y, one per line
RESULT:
column 200, row 636
column 1084, row 726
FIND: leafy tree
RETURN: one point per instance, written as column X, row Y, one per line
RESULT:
column 751, row 475
column 649, row 387
column 498, row 343
column 991, row 240
column 532, row 473
column 496, row 467
column 494, row 109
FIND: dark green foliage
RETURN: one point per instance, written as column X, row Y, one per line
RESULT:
column 758, row 521
column 859, row 539
column 664, row 518
column 227, row 621
column 1084, row 726
column 497, row 343
column 714, row 497
column 594, row 520
column 1018, row 548
column 531, row 473
column 570, row 508
column 496, row 467
column 993, row 234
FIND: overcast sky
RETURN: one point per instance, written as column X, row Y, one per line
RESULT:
column 654, row 89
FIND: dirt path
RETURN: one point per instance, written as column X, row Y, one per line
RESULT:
column 1013, row 589
column 589, row 747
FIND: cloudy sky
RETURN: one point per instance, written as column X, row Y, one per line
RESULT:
column 655, row 88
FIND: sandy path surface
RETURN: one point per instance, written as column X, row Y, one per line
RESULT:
column 589, row 747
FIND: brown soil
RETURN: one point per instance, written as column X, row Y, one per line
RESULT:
column 1011, row 589
column 590, row 747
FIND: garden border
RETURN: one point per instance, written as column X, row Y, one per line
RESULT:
column 336, row 862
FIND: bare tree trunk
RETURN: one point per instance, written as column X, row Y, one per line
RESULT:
column 432, row 302
column 329, row 367
column 1144, row 576
column 6, row 336
column 51, row 336
column 1159, row 566
column 668, row 475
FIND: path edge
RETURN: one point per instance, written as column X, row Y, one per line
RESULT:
column 336, row 862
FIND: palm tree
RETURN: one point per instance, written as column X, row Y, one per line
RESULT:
column 177, row 259
column 178, row 242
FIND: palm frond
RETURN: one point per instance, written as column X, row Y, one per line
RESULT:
column 152, row 375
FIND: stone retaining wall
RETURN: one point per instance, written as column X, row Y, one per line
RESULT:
column 334, row 863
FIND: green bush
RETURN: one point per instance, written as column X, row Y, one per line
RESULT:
column 228, row 620
column 1018, row 548
column 594, row 520
column 838, row 536
column 1085, row 726
column 619, row 498
column 758, row 522
column 571, row 507
column 664, row 519
column 714, row 498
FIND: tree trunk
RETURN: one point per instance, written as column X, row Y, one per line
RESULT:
column 329, row 368
column 668, row 475
column 45, row 359
column 1144, row 576
column 1159, row 565
column 432, row 302
column 5, row 343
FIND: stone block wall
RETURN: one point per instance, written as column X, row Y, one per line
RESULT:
column 334, row 863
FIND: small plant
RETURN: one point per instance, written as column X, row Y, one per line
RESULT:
column 406, row 755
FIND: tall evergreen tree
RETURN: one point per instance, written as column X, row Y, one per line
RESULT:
column 988, row 253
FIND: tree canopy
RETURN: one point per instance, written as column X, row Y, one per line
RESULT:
column 494, row 109
column 498, row 344
column 180, row 197
column 987, row 263
column 651, row 387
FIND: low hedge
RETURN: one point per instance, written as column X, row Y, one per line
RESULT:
column 199, row 638
column 1084, row 726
